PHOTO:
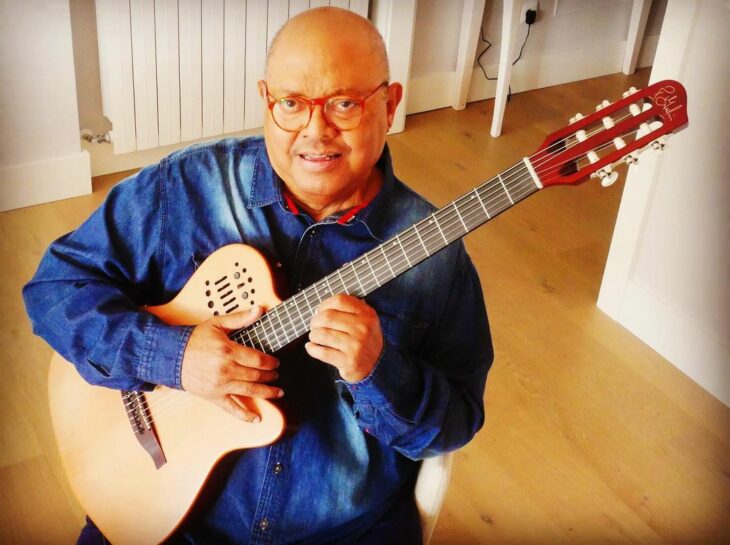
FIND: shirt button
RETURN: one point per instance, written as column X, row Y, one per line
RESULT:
column 278, row 468
column 264, row 524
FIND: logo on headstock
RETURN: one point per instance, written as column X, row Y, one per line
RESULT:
column 665, row 98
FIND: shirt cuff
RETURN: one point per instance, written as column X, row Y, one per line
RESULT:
column 162, row 359
column 392, row 374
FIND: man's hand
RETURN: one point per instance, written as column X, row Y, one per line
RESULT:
column 216, row 368
column 345, row 332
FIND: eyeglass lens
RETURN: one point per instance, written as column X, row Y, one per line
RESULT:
column 293, row 113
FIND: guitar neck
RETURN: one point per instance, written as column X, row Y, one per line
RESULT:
column 290, row 320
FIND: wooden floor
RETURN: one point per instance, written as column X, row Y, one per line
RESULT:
column 591, row 437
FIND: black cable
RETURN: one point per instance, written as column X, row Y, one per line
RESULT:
column 479, row 58
column 489, row 45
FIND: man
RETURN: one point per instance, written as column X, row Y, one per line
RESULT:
column 379, row 383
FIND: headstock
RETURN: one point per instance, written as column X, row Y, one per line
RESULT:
column 594, row 144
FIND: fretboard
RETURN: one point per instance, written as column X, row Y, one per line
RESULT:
column 290, row 320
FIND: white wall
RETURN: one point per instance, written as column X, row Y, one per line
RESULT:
column 668, row 273
column 583, row 39
column 40, row 155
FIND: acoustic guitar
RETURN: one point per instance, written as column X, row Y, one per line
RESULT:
column 161, row 446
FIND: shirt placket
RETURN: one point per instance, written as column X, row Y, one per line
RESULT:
column 269, row 509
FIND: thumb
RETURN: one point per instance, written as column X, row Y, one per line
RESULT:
column 237, row 320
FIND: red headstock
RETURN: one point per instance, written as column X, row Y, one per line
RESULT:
column 595, row 143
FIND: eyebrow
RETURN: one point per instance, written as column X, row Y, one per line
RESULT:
column 339, row 91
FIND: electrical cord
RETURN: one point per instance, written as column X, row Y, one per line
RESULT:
column 489, row 45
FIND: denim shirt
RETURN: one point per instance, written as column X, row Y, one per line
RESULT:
column 351, row 449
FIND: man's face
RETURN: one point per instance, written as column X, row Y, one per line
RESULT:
column 319, row 163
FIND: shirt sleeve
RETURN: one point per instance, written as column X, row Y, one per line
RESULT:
column 85, row 297
column 427, row 404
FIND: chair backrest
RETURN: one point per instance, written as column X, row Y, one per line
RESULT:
column 431, row 485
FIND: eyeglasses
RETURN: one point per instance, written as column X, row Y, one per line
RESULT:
column 293, row 113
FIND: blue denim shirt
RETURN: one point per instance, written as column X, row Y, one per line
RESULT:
column 352, row 448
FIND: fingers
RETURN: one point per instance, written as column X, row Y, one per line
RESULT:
column 238, row 409
column 333, row 338
column 253, row 389
column 248, row 357
column 238, row 320
column 344, row 303
column 346, row 333
column 326, row 354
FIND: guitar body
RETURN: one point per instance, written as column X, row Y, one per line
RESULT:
column 112, row 476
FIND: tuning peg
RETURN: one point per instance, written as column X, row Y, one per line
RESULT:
column 608, row 122
column 619, row 142
column 659, row 144
column 630, row 92
column 576, row 117
column 607, row 177
column 606, row 174
column 634, row 109
column 632, row 159
column 644, row 129
column 602, row 105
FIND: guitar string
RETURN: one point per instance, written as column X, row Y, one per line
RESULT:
column 267, row 321
column 449, row 218
column 157, row 403
column 447, row 224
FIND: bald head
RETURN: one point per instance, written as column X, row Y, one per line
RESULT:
column 327, row 30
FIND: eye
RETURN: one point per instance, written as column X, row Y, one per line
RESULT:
column 290, row 105
column 344, row 105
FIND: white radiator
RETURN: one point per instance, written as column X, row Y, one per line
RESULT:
column 180, row 70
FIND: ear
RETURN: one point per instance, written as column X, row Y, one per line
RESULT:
column 262, row 89
column 395, row 94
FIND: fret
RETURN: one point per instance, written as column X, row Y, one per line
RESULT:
column 329, row 286
column 264, row 320
column 296, row 305
column 505, row 188
column 253, row 331
column 415, row 228
column 436, row 221
column 375, row 276
column 344, row 286
column 386, row 261
column 357, row 277
column 316, row 290
column 405, row 254
column 466, row 229
column 479, row 198
column 291, row 322
column 274, row 313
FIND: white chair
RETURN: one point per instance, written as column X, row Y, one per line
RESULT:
column 431, row 484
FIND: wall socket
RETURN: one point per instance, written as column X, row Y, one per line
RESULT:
column 528, row 4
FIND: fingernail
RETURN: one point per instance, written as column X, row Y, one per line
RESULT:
column 256, row 419
column 280, row 394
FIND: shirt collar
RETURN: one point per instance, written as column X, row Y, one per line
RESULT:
column 266, row 189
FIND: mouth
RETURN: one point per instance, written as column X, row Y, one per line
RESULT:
column 319, row 157
column 320, row 162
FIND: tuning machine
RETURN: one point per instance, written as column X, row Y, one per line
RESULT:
column 607, row 175
column 576, row 117
column 659, row 144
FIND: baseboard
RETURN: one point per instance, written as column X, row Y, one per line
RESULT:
column 432, row 92
column 688, row 347
column 435, row 90
column 45, row 181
